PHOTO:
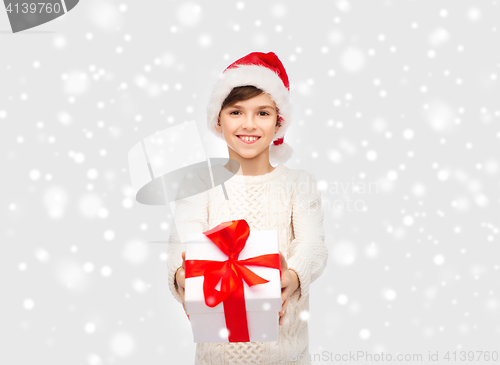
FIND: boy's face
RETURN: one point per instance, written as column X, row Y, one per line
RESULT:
column 256, row 117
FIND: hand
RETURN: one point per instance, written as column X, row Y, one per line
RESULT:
column 181, row 281
column 289, row 283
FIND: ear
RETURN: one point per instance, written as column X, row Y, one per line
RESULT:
column 218, row 127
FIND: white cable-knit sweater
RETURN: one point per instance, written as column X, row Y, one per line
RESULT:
column 285, row 200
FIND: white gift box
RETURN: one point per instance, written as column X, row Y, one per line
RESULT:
column 262, row 301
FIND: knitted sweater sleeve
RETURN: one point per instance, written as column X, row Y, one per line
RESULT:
column 191, row 216
column 309, row 254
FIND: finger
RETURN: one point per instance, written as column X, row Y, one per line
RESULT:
column 283, row 307
column 183, row 306
column 285, row 279
column 183, row 291
column 282, row 319
column 285, row 291
column 183, row 258
column 284, row 265
column 283, row 295
column 283, row 312
column 181, row 278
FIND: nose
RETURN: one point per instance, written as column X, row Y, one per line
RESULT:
column 249, row 122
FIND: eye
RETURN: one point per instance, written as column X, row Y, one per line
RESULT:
column 235, row 111
column 265, row 113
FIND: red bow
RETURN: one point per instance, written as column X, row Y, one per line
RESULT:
column 230, row 237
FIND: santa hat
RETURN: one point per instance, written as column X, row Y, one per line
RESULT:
column 266, row 72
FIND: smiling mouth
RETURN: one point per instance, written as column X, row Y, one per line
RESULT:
column 248, row 140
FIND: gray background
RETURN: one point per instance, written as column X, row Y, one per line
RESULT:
column 395, row 110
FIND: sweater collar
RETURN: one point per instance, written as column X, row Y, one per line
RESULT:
column 258, row 179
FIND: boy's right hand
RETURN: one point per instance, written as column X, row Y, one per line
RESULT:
column 180, row 279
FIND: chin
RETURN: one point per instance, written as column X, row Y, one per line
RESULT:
column 247, row 156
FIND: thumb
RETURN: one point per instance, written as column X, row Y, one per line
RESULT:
column 183, row 258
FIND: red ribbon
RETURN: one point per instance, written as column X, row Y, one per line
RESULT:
column 230, row 237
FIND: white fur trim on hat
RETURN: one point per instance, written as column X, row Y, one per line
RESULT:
column 255, row 75
column 279, row 154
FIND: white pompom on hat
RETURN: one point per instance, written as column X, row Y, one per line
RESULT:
column 266, row 72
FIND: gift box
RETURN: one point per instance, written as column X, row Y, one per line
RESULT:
column 233, row 284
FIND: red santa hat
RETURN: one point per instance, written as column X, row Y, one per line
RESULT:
column 266, row 72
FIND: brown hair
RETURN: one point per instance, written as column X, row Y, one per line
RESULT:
column 242, row 93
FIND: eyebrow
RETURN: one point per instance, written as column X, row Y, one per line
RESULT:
column 259, row 107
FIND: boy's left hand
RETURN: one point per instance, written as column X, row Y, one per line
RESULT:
column 289, row 283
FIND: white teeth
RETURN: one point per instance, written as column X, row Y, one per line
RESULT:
column 249, row 139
